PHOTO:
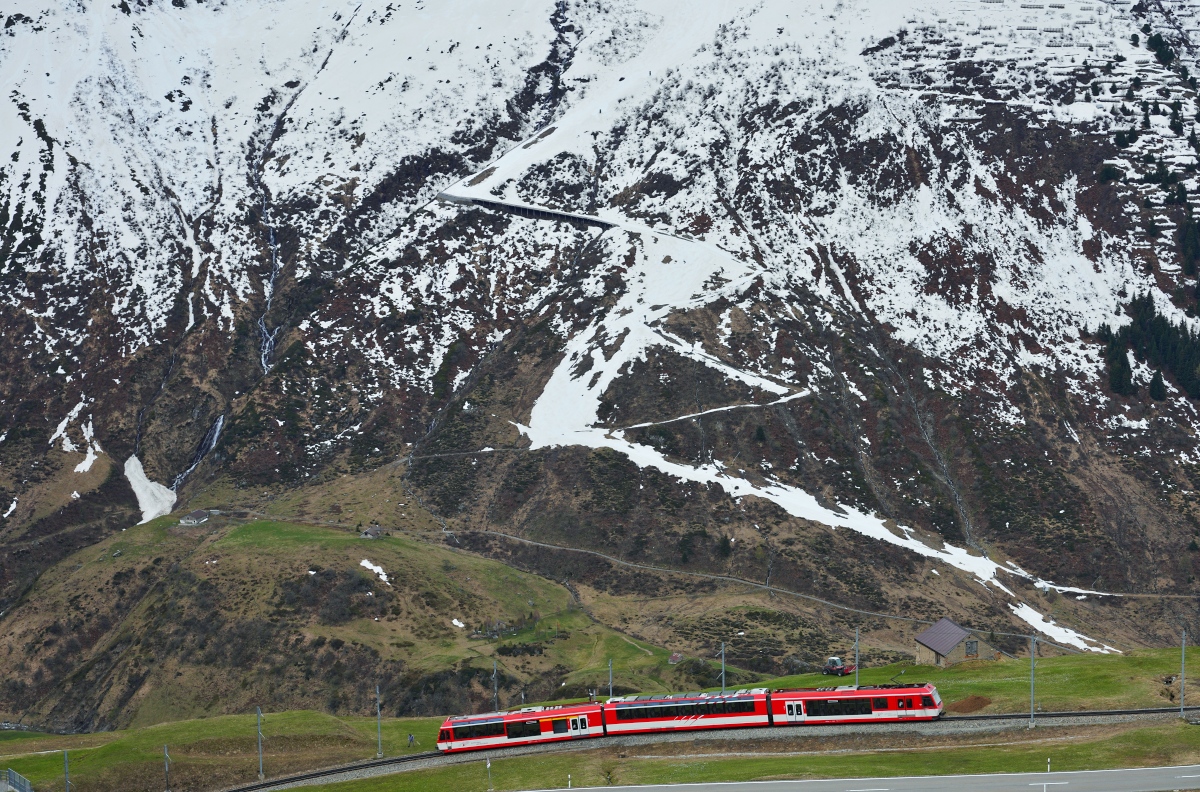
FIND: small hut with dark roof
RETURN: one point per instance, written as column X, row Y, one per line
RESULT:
column 946, row 643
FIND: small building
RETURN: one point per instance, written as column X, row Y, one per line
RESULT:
column 675, row 659
column 194, row 518
column 946, row 643
column 374, row 532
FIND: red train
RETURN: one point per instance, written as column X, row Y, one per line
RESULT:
column 691, row 711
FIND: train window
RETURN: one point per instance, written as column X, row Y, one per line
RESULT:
column 524, row 729
column 790, row 712
column 560, row 726
column 574, row 724
column 879, row 704
column 444, row 735
column 834, row 708
column 899, row 703
column 926, row 701
column 585, row 721
column 473, row 731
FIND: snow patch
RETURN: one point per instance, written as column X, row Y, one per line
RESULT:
column 92, row 456
column 1065, row 635
column 61, row 431
column 378, row 570
column 457, row 623
column 12, row 507
column 153, row 498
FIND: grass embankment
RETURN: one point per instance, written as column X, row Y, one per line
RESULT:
column 209, row 753
column 1175, row 743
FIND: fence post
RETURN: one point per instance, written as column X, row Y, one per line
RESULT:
column 1032, row 663
column 260, row 762
column 855, row 657
column 378, row 724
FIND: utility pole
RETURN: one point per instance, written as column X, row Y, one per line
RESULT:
column 260, row 762
column 67, row 773
column 610, row 693
column 722, row 668
column 167, row 768
column 855, row 657
column 1182, row 670
column 378, row 724
column 1032, row 663
column 495, row 688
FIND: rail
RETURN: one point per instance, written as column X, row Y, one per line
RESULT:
column 283, row 781
column 330, row 771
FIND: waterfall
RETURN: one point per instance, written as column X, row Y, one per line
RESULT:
column 206, row 446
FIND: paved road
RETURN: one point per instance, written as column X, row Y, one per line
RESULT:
column 1151, row 779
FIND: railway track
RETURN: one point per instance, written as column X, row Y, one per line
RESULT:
column 314, row 775
column 1084, row 714
column 378, row 764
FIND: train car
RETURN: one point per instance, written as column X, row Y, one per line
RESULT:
column 686, row 711
column 851, row 704
column 521, row 727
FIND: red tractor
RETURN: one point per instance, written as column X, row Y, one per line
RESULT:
column 835, row 666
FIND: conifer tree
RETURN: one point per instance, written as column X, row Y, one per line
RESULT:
column 1158, row 389
column 1120, row 376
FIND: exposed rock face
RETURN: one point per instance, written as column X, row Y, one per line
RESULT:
column 859, row 310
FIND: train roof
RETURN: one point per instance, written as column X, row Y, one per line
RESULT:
column 493, row 716
column 732, row 694
column 853, row 688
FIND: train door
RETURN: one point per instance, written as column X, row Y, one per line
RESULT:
column 905, row 706
column 795, row 712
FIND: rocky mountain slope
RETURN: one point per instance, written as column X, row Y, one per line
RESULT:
column 891, row 304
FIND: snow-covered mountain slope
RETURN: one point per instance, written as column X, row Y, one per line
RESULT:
column 840, row 266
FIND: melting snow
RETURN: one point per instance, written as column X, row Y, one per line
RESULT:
column 457, row 623
column 11, row 508
column 1059, row 633
column 153, row 498
column 86, row 464
column 672, row 274
column 378, row 570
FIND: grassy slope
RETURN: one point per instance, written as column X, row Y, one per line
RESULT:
column 224, row 747
column 214, row 752
column 127, row 581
